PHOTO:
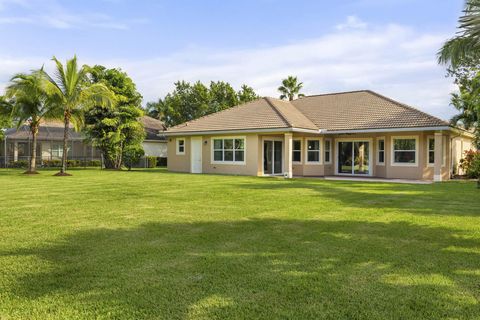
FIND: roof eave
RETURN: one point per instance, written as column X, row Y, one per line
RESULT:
column 373, row 130
column 262, row 130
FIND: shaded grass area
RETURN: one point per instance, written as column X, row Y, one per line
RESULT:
column 156, row 245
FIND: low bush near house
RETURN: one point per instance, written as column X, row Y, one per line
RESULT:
column 151, row 162
column 19, row 164
column 471, row 164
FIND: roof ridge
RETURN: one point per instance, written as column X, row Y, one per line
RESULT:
column 332, row 93
column 406, row 106
column 185, row 124
column 283, row 116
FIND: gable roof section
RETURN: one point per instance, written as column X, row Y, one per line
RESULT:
column 153, row 128
column 263, row 113
column 360, row 110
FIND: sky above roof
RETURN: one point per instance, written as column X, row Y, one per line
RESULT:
column 388, row 46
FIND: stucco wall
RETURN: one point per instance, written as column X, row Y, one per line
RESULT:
column 178, row 163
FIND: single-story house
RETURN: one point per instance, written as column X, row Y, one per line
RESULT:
column 17, row 142
column 358, row 133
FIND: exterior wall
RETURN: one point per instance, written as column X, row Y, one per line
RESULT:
column 459, row 146
column 253, row 165
column 155, row 148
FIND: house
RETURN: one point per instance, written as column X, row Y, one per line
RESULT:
column 358, row 133
column 17, row 143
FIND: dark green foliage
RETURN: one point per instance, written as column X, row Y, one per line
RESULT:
column 5, row 115
column 132, row 155
column 191, row 101
column 112, row 130
column 471, row 164
column 71, row 163
column 290, row 88
column 18, row 164
column 151, row 162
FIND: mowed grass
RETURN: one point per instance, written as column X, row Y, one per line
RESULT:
column 159, row 245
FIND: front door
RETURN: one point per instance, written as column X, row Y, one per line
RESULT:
column 196, row 155
column 272, row 157
column 354, row 157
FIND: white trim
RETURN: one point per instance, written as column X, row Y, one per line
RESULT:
column 329, row 150
column 384, row 151
column 266, row 138
column 387, row 130
column 437, row 178
column 192, row 154
column 177, row 144
column 301, row 151
column 392, row 153
column 241, row 131
column 212, row 149
column 444, row 149
column 320, row 148
column 370, row 153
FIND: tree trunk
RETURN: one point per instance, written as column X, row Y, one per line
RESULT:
column 63, row 170
column 32, row 168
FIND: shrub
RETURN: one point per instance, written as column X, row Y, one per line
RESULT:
column 151, row 162
column 131, row 155
column 19, row 164
column 471, row 164
column 94, row 163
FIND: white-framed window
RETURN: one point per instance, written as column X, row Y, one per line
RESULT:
column 180, row 146
column 381, row 151
column 328, row 151
column 297, row 151
column 404, row 151
column 313, row 151
column 431, row 151
column 56, row 150
column 228, row 150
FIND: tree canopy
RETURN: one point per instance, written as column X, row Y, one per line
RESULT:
column 114, row 130
column 191, row 101
column 290, row 88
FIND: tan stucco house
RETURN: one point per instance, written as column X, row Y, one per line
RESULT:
column 360, row 133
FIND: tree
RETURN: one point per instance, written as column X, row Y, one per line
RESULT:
column 116, row 129
column 30, row 104
column 5, row 115
column 191, row 101
column 70, row 88
column 466, row 45
column 290, row 88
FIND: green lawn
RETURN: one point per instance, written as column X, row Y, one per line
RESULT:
column 158, row 245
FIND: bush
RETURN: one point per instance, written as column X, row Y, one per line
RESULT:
column 161, row 162
column 471, row 164
column 131, row 155
column 151, row 162
column 18, row 164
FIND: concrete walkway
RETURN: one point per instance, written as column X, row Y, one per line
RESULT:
column 368, row 179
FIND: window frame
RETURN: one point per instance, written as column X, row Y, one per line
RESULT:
column 392, row 151
column 223, row 138
column 444, row 149
column 320, row 147
column 297, row 150
column 177, row 146
column 329, row 151
column 384, row 151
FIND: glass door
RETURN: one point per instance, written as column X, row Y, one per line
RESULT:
column 354, row 157
column 272, row 157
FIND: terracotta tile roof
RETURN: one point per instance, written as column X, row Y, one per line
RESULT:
column 353, row 110
column 362, row 110
column 258, row 114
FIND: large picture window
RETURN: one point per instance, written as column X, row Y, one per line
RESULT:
column 313, row 150
column 229, row 150
column 297, row 151
column 405, row 151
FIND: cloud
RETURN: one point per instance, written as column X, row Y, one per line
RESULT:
column 352, row 22
column 394, row 60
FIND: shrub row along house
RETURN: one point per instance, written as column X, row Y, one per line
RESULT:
column 16, row 145
column 359, row 133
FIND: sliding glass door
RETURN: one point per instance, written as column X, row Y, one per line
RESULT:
column 354, row 157
column 272, row 157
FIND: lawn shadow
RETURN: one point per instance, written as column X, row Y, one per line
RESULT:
column 260, row 268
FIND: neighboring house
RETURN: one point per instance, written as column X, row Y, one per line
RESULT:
column 358, row 133
column 50, row 142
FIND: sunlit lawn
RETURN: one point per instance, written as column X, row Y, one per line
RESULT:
column 159, row 245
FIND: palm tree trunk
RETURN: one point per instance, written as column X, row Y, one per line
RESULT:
column 63, row 170
column 33, row 152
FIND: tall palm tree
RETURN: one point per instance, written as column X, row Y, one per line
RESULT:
column 30, row 105
column 466, row 45
column 70, row 88
column 290, row 88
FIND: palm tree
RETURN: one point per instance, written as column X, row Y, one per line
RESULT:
column 30, row 104
column 465, row 46
column 70, row 88
column 290, row 88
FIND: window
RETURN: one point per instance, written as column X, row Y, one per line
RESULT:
column 229, row 150
column 313, row 150
column 180, row 146
column 328, row 150
column 57, row 150
column 405, row 151
column 22, row 149
column 431, row 150
column 381, row 151
column 297, row 151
